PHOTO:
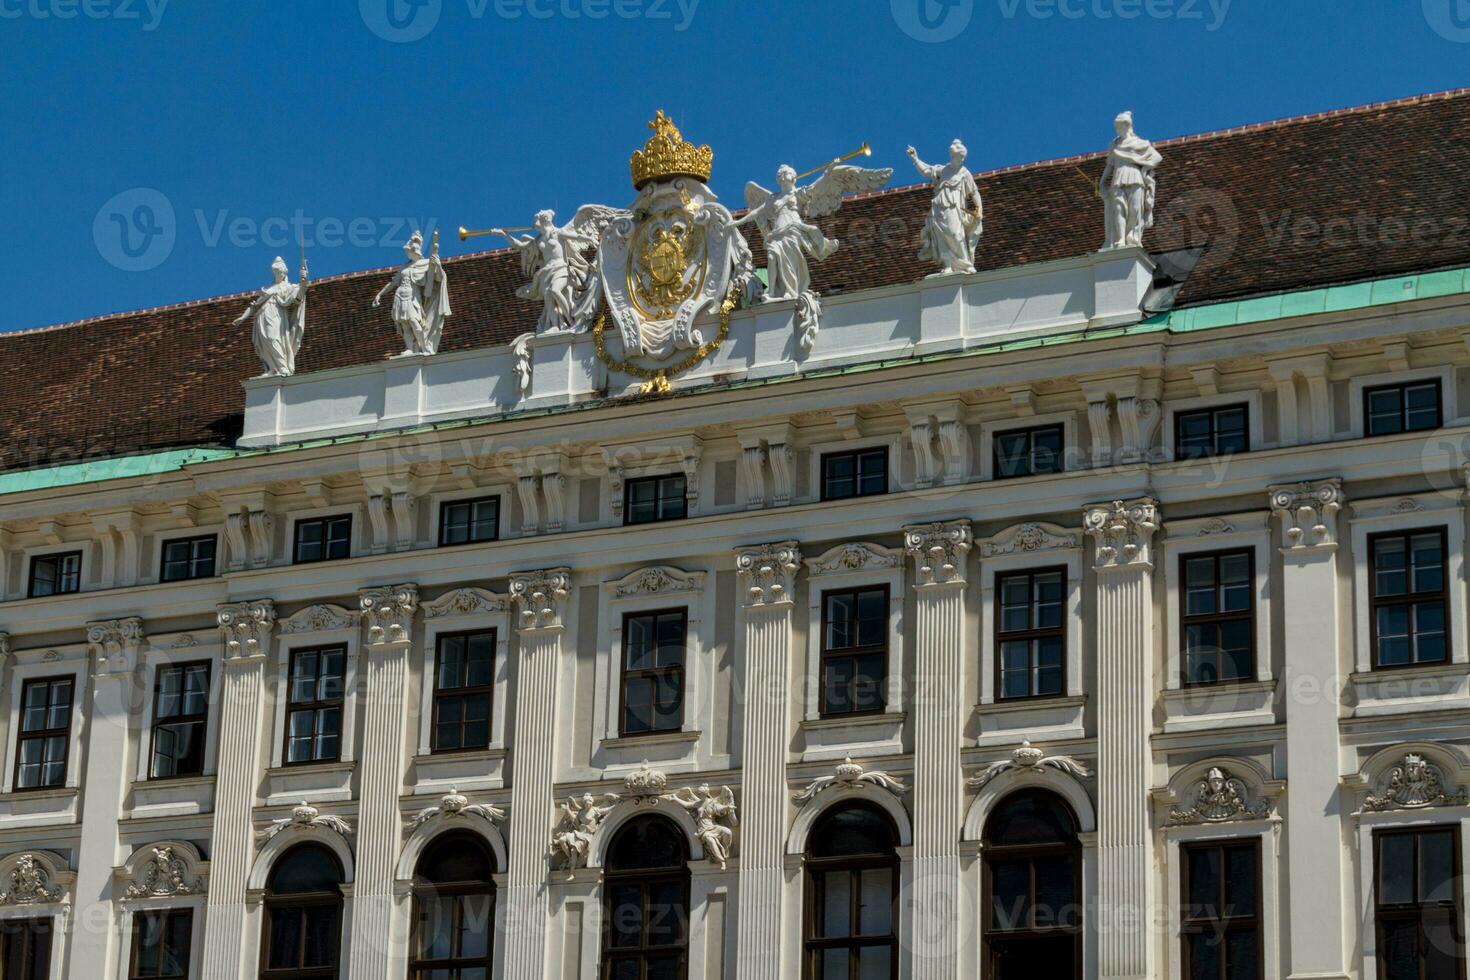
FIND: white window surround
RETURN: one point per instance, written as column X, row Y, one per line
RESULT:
column 855, row 565
column 314, row 626
column 1074, row 456
column 464, row 610
column 58, row 875
column 648, row 589
column 1202, row 708
column 196, row 870
column 1410, row 688
column 1448, row 398
column 186, row 794
column 1023, row 547
column 632, row 462
column 815, row 452
column 359, row 542
column 37, row 665
column 86, row 582
column 498, row 491
column 153, row 574
column 1255, row 429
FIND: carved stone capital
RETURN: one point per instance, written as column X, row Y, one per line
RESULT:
column 768, row 574
column 939, row 552
column 246, row 628
column 1123, row 532
column 115, row 645
column 1308, row 513
column 541, row 598
column 388, row 613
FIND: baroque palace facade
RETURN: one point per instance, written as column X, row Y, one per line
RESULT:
column 865, row 584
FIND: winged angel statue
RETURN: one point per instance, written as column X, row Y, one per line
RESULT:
column 556, row 261
column 581, row 819
column 784, row 218
column 715, row 819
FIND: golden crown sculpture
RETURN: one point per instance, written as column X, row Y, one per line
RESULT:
column 667, row 154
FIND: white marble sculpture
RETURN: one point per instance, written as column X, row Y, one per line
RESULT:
column 715, row 819
column 420, row 297
column 956, row 215
column 280, row 321
column 784, row 218
column 555, row 258
column 581, row 819
column 1128, row 186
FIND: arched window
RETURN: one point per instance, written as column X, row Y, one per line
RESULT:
column 851, row 895
column 454, row 910
column 303, row 915
column 645, row 886
column 1033, row 887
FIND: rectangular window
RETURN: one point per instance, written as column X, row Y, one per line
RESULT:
column 314, row 706
column 323, row 539
column 161, row 942
column 856, row 474
column 1217, row 617
column 654, row 645
column 45, row 733
column 1030, row 633
column 188, row 558
column 1417, row 904
column 854, row 651
column 56, row 574
column 464, row 671
column 1410, row 407
column 1029, row 452
column 180, row 720
column 25, row 949
column 1408, row 598
column 469, row 521
column 1211, row 432
column 655, row 498
column 1220, row 924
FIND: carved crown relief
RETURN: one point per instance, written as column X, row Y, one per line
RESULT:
column 1219, row 797
column 1029, row 758
column 1414, row 783
column 307, row 817
column 849, row 775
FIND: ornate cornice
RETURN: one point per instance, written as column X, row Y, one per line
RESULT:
column 849, row 775
column 455, row 804
column 115, row 644
column 307, row 817
column 1028, row 757
column 1219, row 797
column 246, row 628
column 1030, row 538
column 768, row 573
column 541, row 597
column 1122, row 531
column 855, row 556
column 389, row 612
column 467, row 601
column 1308, row 513
column 939, row 551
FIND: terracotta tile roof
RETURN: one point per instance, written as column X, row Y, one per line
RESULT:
column 1338, row 197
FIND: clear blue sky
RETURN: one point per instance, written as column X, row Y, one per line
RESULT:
column 235, row 115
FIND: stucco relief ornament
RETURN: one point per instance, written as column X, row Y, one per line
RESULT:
column 164, row 875
column 849, row 775
column 956, row 215
column 645, row 785
column 785, row 216
column 555, row 259
column 1414, row 784
column 307, row 817
column 1122, row 531
column 769, row 573
column 280, row 321
column 1028, row 757
column 1128, row 186
column 420, row 297
column 715, row 819
column 1217, row 798
column 581, row 819
column 455, row 804
column 29, row 883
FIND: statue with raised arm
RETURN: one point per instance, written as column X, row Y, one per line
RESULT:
column 280, row 321
column 420, row 297
column 555, row 259
column 1128, row 186
column 715, row 819
column 580, row 821
column 956, row 215
column 784, row 218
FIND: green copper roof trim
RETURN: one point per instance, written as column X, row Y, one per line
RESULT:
column 115, row 468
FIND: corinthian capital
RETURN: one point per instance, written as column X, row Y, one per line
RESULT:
column 115, row 644
column 938, row 551
column 246, row 627
column 1123, row 531
column 541, row 597
column 1308, row 512
column 389, row 613
column 768, row 573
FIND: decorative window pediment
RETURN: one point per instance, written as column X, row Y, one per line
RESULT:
column 849, row 775
column 466, row 602
column 34, row 878
column 319, row 618
column 169, row 869
column 656, row 580
column 855, row 556
column 1031, row 538
column 1219, row 797
column 1414, row 783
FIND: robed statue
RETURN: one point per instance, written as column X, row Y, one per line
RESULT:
column 420, row 297
column 1128, row 186
column 280, row 321
column 956, row 214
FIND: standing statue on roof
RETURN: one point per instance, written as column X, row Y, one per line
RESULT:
column 280, row 321
column 561, row 273
column 1128, row 186
column 956, row 215
column 420, row 297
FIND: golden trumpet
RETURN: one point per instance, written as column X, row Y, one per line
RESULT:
column 863, row 151
column 465, row 233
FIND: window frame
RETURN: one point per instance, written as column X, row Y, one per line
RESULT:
column 1187, row 620
column 484, row 690
column 191, row 541
column 79, row 554
column 1409, row 598
column 825, row 653
column 1416, row 909
column 855, row 454
column 31, row 926
column 643, row 878
column 1030, row 431
column 656, row 480
column 325, row 520
column 623, row 673
column 471, row 502
column 992, row 853
column 65, row 733
column 1220, row 924
column 1402, row 386
column 424, row 888
column 154, row 722
column 139, row 916
column 300, row 902
column 293, row 707
column 1001, row 635
column 1212, row 411
column 813, row 868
